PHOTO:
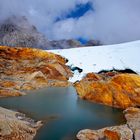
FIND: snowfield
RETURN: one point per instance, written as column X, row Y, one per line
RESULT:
column 94, row 59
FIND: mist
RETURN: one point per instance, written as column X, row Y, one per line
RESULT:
column 110, row 21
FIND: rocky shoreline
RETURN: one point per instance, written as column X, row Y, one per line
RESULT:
column 114, row 88
column 118, row 89
column 16, row 126
column 26, row 69
column 23, row 69
column 128, row 131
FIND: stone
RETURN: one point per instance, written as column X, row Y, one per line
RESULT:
column 120, row 90
column 17, row 31
column 128, row 131
column 5, row 92
column 121, row 132
column 132, row 116
column 16, row 126
column 137, row 134
column 27, row 69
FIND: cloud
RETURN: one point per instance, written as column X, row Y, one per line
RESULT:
column 111, row 21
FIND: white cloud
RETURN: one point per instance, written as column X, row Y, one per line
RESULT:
column 112, row 21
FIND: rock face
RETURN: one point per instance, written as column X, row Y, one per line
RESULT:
column 18, row 32
column 93, row 43
column 121, row 132
column 115, row 89
column 26, row 68
column 64, row 44
column 16, row 126
column 128, row 131
column 132, row 116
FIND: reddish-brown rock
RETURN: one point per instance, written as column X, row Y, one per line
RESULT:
column 121, row 132
column 26, row 68
column 119, row 90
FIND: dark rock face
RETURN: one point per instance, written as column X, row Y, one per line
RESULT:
column 117, row 71
column 65, row 44
column 18, row 32
column 93, row 43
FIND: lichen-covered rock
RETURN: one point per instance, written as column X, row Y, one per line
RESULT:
column 115, row 89
column 4, row 92
column 16, row 126
column 121, row 132
column 128, row 131
column 132, row 116
column 26, row 68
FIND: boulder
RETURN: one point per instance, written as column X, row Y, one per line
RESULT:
column 27, row 68
column 121, row 132
column 16, row 126
column 128, row 131
column 115, row 89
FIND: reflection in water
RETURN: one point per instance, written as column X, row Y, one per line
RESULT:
column 64, row 113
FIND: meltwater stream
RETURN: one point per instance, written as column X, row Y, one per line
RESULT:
column 64, row 114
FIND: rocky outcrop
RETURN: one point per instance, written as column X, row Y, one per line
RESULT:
column 26, row 68
column 16, row 126
column 65, row 44
column 128, row 131
column 93, row 43
column 17, row 31
column 114, row 88
column 132, row 116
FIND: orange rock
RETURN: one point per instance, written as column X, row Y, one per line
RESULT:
column 121, row 132
column 128, row 131
column 10, row 92
column 110, row 135
column 113, row 89
column 27, row 68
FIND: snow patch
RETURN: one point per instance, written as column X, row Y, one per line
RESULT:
column 97, row 58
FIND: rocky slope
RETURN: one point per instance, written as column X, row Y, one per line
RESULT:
column 18, row 32
column 128, row 131
column 16, row 126
column 114, row 88
column 26, row 68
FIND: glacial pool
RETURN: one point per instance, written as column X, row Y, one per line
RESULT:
column 63, row 112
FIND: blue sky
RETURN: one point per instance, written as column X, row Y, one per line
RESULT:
column 109, row 21
column 78, row 11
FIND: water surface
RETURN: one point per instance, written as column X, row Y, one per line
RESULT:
column 64, row 114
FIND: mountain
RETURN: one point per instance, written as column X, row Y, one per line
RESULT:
column 17, row 31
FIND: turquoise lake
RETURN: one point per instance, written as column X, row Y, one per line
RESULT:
column 63, row 112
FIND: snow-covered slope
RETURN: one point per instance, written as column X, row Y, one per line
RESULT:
column 94, row 59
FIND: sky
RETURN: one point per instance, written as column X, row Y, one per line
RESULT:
column 109, row 21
